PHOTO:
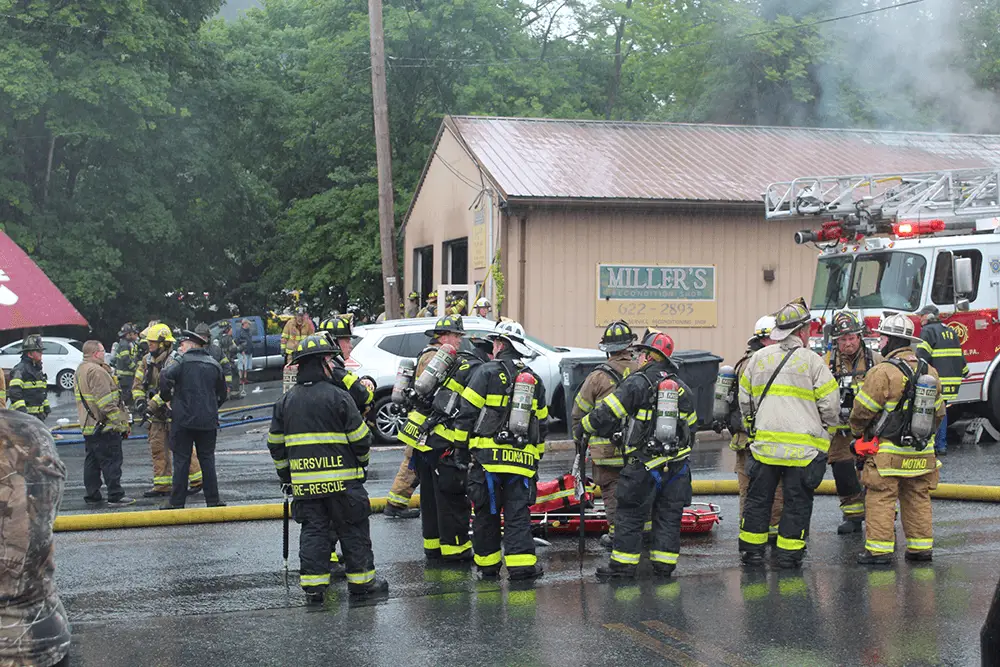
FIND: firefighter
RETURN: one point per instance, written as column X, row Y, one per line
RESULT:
column 126, row 357
column 941, row 347
column 148, row 404
column 897, row 466
column 227, row 343
column 412, row 304
column 397, row 505
column 441, row 465
column 506, row 445
column 430, row 306
column 28, row 388
column 3, row 391
column 849, row 361
column 656, row 478
column 789, row 399
column 603, row 380
column 320, row 446
column 739, row 439
column 483, row 307
column 456, row 305
column 337, row 331
column 295, row 331
column 216, row 351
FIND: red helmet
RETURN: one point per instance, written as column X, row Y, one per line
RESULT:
column 657, row 341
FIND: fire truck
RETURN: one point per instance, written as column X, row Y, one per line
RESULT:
column 893, row 243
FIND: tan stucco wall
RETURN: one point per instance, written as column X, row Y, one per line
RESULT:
column 442, row 210
column 564, row 245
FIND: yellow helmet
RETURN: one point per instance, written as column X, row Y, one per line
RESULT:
column 158, row 333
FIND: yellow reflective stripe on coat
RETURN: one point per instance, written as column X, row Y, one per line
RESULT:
column 360, row 433
column 341, row 474
column 826, row 389
column 867, row 401
column 616, row 406
column 281, row 464
column 331, row 438
column 615, row 462
column 275, row 438
column 17, row 405
column 473, row 397
column 788, row 390
column 585, row 406
column 947, row 352
column 497, row 400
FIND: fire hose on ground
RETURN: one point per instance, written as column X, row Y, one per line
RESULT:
column 273, row 511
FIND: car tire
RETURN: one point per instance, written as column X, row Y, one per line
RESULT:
column 389, row 418
column 66, row 379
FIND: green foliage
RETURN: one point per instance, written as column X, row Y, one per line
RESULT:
column 237, row 158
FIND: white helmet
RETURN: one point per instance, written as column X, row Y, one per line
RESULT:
column 764, row 326
column 483, row 302
column 897, row 326
column 511, row 331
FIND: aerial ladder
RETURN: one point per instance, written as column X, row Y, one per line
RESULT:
column 906, row 204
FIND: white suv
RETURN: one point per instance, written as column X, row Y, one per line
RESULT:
column 379, row 347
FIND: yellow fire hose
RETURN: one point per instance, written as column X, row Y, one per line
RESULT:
column 150, row 518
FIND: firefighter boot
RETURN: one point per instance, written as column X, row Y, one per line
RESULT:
column 489, row 572
column 616, row 570
column 663, row 570
column 315, row 597
column 525, row 573
column 753, row 558
column 850, row 526
column 868, row 558
column 919, row 556
column 371, row 589
column 607, row 541
column 396, row 512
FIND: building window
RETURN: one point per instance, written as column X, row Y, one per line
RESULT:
column 456, row 262
column 423, row 270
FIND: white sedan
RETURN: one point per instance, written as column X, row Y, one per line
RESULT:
column 60, row 359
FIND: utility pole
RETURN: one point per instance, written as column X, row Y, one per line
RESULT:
column 383, row 157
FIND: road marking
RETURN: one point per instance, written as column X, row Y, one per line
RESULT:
column 639, row 637
column 711, row 651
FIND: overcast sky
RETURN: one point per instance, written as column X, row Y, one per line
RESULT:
column 232, row 8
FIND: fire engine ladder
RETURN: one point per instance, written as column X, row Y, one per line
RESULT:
column 956, row 197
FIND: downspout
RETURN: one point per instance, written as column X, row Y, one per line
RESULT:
column 522, row 267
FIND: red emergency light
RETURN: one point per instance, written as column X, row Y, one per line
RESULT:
column 917, row 228
column 831, row 231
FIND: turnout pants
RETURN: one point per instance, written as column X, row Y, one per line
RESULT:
column 914, row 496
column 183, row 440
column 661, row 493
column 845, row 475
column 103, row 457
column 606, row 477
column 743, row 480
column 345, row 515
column 159, row 437
column 445, row 508
column 799, row 484
column 512, row 494
column 405, row 482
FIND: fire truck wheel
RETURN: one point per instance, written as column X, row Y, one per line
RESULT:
column 993, row 404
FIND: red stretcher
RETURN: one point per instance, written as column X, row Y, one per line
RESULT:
column 556, row 511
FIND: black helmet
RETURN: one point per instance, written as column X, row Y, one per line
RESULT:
column 845, row 322
column 32, row 343
column 200, row 335
column 337, row 327
column 312, row 346
column 447, row 324
column 617, row 336
column 127, row 328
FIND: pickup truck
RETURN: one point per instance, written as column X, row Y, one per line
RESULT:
column 266, row 347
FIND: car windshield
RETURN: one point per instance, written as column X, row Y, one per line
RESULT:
column 888, row 280
column 833, row 276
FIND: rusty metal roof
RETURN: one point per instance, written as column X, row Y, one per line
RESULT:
column 552, row 159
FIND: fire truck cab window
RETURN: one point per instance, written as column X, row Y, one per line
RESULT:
column 833, row 277
column 943, row 287
column 888, row 280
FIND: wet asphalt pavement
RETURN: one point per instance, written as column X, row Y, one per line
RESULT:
column 214, row 594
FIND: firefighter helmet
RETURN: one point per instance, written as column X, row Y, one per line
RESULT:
column 896, row 325
column 790, row 318
column 447, row 324
column 508, row 330
column 845, row 322
column 32, row 343
column 763, row 327
column 617, row 337
column 127, row 328
column 483, row 302
column 433, row 295
column 337, row 327
column 158, row 333
column 414, row 296
column 657, row 341
column 312, row 346
column 200, row 334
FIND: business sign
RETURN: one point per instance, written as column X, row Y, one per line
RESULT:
column 478, row 241
column 654, row 295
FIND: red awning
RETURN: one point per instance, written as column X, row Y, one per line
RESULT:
column 28, row 299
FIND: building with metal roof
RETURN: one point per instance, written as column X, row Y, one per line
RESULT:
column 661, row 224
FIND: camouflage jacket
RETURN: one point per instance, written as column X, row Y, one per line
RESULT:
column 34, row 631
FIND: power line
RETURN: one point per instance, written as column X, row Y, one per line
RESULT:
column 464, row 62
